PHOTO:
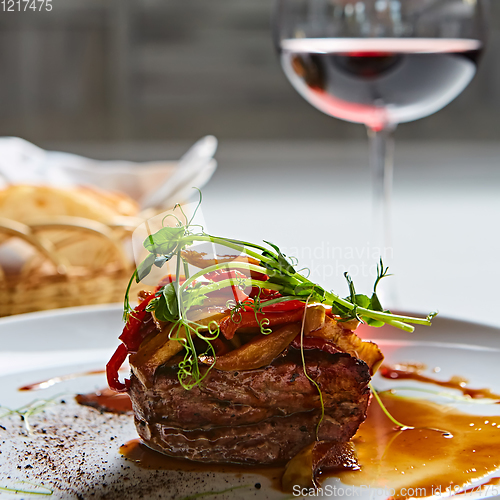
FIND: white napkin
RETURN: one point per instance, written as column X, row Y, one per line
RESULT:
column 24, row 163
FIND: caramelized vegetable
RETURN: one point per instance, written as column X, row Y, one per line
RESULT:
column 299, row 471
column 303, row 469
column 259, row 352
column 157, row 351
column 349, row 342
column 315, row 318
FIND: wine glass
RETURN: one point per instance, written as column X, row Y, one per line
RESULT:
column 380, row 63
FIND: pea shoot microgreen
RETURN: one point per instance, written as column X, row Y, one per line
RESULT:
column 30, row 409
column 35, row 488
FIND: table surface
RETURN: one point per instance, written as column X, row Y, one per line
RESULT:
column 313, row 200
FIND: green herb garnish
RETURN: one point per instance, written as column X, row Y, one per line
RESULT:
column 37, row 489
column 30, row 409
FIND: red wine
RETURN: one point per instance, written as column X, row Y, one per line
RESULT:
column 379, row 81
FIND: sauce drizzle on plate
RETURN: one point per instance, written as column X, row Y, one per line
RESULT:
column 45, row 384
column 106, row 400
column 414, row 372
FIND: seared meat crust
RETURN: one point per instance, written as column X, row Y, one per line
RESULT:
column 261, row 416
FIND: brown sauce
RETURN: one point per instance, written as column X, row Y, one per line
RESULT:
column 421, row 457
column 103, row 400
column 465, row 451
column 45, row 384
column 106, row 400
column 136, row 451
column 414, row 372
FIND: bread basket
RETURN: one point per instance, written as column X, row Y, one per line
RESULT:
column 66, row 261
column 66, row 221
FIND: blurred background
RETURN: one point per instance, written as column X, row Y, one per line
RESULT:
column 143, row 79
column 107, row 70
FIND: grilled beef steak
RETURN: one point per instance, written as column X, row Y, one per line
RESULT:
column 263, row 416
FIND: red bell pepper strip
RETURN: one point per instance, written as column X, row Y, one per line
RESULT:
column 263, row 293
column 257, row 290
column 130, row 333
column 132, row 336
column 248, row 319
column 222, row 274
column 114, row 364
column 288, row 305
column 225, row 274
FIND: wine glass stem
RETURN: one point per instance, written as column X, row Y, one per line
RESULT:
column 381, row 165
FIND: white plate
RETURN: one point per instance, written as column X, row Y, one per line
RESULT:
column 78, row 457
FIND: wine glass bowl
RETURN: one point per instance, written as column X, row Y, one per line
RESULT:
column 379, row 81
column 379, row 62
